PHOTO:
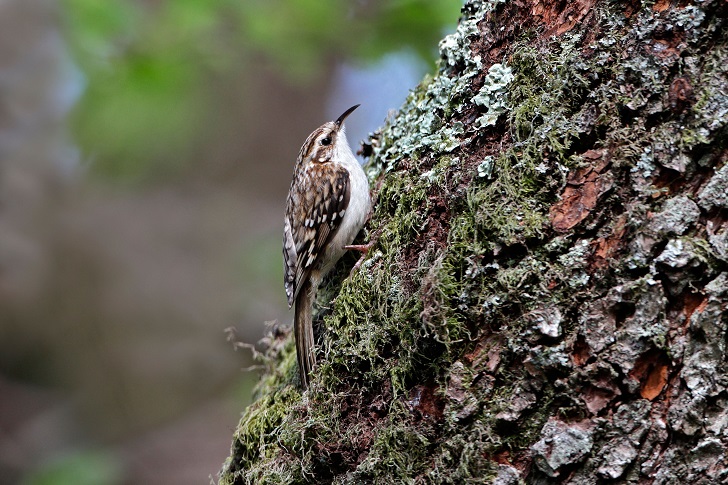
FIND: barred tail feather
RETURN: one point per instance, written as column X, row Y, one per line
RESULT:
column 303, row 332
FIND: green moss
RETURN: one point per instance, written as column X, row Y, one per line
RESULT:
column 460, row 459
column 402, row 205
column 396, row 454
column 255, row 443
column 367, row 319
column 548, row 90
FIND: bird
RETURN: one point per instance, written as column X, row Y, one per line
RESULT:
column 328, row 204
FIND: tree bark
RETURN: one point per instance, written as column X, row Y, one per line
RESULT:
column 546, row 299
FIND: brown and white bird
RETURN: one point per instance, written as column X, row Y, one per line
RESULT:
column 328, row 204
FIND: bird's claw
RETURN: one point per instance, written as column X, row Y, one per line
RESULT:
column 363, row 249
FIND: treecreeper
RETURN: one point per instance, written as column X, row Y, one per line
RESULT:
column 328, row 204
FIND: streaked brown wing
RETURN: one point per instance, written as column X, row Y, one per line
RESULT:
column 320, row 198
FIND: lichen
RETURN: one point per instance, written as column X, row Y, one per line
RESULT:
column 715, row 193
column 494, row 94
column 425, row 122
column 678, row 214
column 561, row 445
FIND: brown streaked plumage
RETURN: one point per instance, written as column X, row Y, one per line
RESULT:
column 327, row 205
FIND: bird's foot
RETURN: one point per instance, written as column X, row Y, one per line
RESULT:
column 363, row 249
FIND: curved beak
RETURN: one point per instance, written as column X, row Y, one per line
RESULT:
column 340, row 120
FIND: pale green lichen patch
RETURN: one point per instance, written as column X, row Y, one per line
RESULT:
column 425, row 123
column 494, row 94
column 485, row 168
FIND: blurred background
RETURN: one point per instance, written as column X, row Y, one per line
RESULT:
column 146, row 149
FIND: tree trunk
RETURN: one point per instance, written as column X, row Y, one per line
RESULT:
column 545, row 302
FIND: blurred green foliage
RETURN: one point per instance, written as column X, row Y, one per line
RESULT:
column 80, row 468
column 150, row 66
column 302, row 34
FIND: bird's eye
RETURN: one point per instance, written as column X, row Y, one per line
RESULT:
column 326, row 141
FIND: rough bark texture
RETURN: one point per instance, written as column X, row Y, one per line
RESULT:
column 546, row 302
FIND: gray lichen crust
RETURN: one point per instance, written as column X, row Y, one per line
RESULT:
column 546, row 300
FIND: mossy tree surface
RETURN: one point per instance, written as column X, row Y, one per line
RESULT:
column 546, row 299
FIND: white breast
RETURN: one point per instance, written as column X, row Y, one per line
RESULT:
column 359, row 204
